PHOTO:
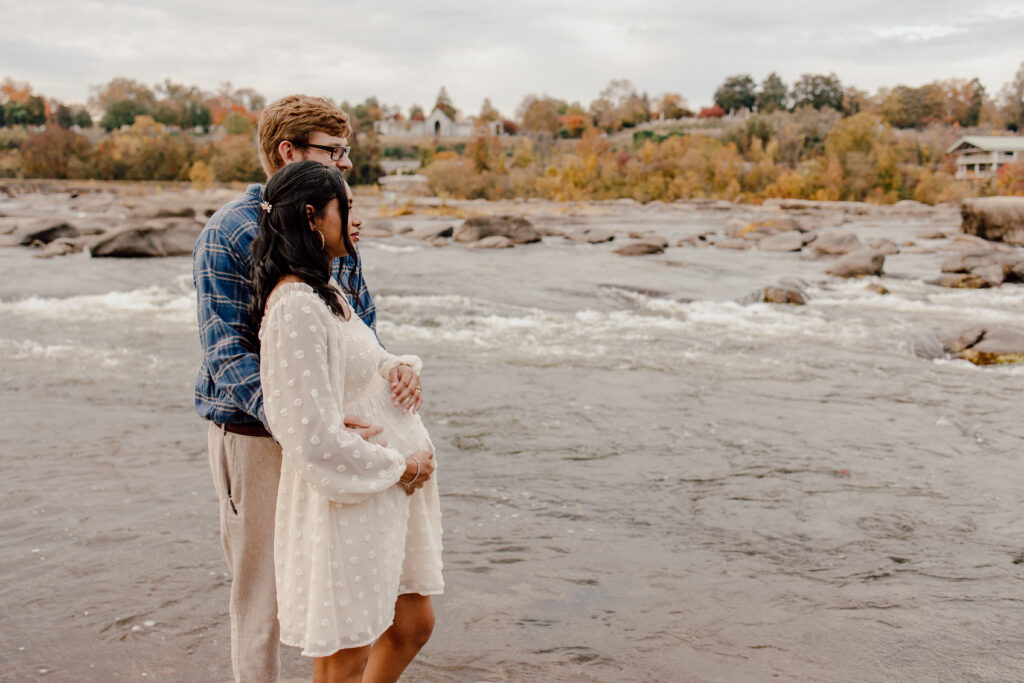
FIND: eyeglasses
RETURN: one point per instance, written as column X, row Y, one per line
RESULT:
column 336, row 152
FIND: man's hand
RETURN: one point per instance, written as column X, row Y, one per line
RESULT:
column 406, row 388
column 364, row 428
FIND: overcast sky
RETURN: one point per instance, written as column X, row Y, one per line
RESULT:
column 403, row 51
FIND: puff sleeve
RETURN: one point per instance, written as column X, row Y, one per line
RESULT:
column 304, row 409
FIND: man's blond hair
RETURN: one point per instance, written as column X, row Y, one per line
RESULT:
column 296, row 118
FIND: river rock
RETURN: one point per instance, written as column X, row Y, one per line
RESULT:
column 591, row 235
column 999, row 219
column 758, row 229
column 639, row 249
column 986, row 346
column 960, row 281
column 835, row 242
column 59, row 247
column 378, row 228
column 163, row 210
column 790, row 240
column 44, row 231
column 735, row 243
column 930, row 234
column 784, row 295
column 515, row 228
column 430, row 232
column 886, row 246
column 858, row 264
column 156, row 238
column 492, row 242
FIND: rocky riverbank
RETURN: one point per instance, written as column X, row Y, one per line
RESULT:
column 974, row 246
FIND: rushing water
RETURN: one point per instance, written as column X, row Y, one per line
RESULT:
column 642, row 479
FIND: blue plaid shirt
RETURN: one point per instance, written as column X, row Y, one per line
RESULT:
column 228, row 385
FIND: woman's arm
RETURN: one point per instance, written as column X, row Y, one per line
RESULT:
column 304, row 413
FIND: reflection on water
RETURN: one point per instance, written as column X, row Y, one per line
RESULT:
column 638, row 485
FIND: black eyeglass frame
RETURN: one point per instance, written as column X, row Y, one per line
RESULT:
column 332, row 150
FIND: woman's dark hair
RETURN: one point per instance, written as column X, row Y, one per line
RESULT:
column 286, row 245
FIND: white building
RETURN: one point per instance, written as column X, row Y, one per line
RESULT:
column 437, row 124
column 980, row 156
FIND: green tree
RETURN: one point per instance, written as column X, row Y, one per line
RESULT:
column 65, row 118
column 35, row 110
column 83, row 119
column 975, row 102
column 1012, row 96
column 772, row 95
column 818, row 91
column 16, row 114
column 737, row 92
column 238, row 124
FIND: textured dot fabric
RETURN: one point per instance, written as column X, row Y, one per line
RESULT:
column 348, row 540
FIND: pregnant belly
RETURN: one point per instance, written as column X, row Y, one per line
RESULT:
column 405, row 433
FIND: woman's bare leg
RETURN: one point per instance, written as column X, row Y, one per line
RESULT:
column 344, row 666
column 414, row 621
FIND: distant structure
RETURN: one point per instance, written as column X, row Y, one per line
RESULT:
column 980, row 156
column 437, row 124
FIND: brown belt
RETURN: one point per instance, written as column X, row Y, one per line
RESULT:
column 246, row 429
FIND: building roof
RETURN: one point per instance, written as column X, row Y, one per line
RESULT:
column 990, row 143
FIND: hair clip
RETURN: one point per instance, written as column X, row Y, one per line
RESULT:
column 266, row 206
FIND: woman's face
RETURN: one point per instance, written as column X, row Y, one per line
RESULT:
column 330, row 226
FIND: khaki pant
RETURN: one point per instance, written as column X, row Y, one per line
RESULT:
column 246, row 470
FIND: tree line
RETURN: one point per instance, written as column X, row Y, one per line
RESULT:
column 787, row 140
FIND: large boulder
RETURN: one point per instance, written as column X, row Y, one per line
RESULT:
column 986, row 346
column 790, row 240
column 515, row 228
column 164, row 209
column 835, row 242
column 999, row 219
column 993, row 266
column 44, row 231
column 859, row 263
column 156, row 238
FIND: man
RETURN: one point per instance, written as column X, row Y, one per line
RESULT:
column 244, row 459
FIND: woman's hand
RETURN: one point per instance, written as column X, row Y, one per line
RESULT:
column 418, row 468
column 406, row 389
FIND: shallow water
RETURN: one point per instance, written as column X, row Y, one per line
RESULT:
column 643, row 480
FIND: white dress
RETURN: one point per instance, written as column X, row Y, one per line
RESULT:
column 348, row 540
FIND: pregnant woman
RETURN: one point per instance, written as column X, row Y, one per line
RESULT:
column 357, row 546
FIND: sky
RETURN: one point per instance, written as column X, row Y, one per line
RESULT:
column 403, row 51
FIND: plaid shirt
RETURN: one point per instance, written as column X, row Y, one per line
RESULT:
column 228, row 385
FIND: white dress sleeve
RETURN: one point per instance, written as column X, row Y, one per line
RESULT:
column 304, row 409
column 389, row 362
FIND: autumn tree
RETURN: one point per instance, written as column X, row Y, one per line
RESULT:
column 673, row 106
column 736, row 93
column 488, row 112
column 444, row 103
column 182, row 105
column 539, row 114
column 416, row 113
column 55, row 153
column 818, row 91
column 772, row 95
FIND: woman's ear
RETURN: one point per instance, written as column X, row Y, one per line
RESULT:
column 310, row 212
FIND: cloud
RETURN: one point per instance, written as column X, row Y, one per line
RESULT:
column 404, row 51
